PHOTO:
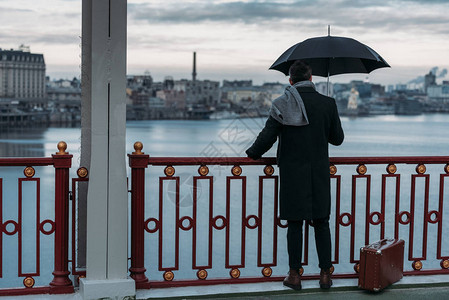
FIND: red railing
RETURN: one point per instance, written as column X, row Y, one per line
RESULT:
column 60, row 283
column 362, row 213
column 346, row 201
column 378, row 217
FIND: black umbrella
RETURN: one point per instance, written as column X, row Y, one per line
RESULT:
column 331, row 55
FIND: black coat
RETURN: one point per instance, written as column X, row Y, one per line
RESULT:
column 303, row 157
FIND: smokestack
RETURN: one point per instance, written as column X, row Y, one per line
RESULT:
column 194, row 67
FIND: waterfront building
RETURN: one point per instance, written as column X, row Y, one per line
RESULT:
column 22, row 87
column 64, row 100
column 173, row 98
column 237, row 83
column 438, row 98
column 429, row 80
column 139, row 81
column 273, row 90
column 138, row 96
column 274, row 86
column 22, row 74
column 401, row 87
column 156, row 102
column 139, row 89
column 202, row 92
column 407, row 105
column 61, row 94
column 169, row 83
column 239, row 94
column 439, row 92
column 195, row 92
column 239, row 91
column 180, row 85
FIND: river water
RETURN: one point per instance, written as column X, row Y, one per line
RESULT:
column 372, row 136
column 423, row 135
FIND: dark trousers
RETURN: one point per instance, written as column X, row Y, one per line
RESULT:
column 322, row 241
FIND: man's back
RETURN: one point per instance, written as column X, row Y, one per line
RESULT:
column 303, row 158
column 309, row 143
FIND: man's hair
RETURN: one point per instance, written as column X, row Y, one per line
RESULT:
column 300, row 71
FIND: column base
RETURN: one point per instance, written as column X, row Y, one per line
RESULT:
column 114, row 289
column 61, row 279
column 138, row 274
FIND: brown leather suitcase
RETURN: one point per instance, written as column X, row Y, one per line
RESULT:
column 381, row 264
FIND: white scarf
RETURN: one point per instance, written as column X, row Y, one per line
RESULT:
column 289, row 108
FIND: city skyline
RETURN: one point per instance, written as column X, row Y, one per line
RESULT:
column 237, row 40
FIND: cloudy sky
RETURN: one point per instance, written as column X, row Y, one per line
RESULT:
column 237, row 39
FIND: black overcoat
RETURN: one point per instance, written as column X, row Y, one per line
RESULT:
column 303, row 157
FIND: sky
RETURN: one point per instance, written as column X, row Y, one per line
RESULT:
column 238, row 40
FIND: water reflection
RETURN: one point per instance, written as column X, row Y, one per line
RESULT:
column 36, row 141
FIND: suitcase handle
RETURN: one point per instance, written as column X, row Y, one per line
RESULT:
column 379, row 244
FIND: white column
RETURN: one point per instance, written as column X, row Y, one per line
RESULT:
column 107, row 199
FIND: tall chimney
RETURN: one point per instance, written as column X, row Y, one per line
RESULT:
column 194, row 67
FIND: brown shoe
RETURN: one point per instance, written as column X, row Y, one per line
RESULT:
column 293, row 280
column 325, row 279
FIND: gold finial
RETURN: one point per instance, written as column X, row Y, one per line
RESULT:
column 29, row 172
column 138, row 146
column 332, row 169
column 361, row 169
column 236, row 170
column 203, row 170
column 421, row 169
column 301, row 271
column 267, row 271
column 446, row 168
column 268, row 170
column 82, row 172
column 201, row 274
column 62, row 146
column 168, row 276
column 417, row 265
column 235, row 273
column 169, row 171
column 444, row 264
column 357, row 268
column 391, row 169
column 28, row 282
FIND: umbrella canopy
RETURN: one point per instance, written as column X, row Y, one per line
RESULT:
column 331, row 55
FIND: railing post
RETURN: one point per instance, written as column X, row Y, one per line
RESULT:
column 62, row 163
column 138, row 161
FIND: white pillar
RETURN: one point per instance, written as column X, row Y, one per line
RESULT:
column 107, row 199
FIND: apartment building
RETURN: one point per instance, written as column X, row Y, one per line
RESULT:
column 22, row 74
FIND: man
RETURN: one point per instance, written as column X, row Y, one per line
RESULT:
column 305, row 122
